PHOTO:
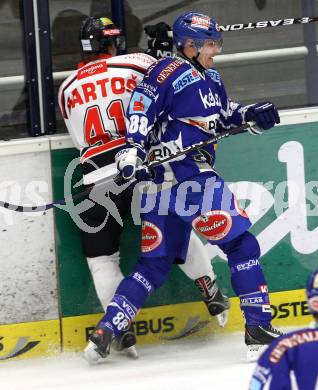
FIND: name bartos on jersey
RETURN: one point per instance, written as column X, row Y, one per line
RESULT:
column 94, row 98
column 93, row 101
column 101, row 88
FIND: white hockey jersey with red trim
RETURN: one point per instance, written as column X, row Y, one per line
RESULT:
column 93, row 101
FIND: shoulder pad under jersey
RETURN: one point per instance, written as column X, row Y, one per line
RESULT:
column 138, row 59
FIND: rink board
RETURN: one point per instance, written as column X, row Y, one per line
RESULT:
column 29, row 340
column 161, row 324
column 172, row 322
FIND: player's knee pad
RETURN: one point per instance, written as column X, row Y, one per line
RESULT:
column 106, row 274
column 154, row 269
column 244, row 247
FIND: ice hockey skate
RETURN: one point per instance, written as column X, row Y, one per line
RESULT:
column 217, row 303
column 98, row 346
column 257, row 339
column 126, row 343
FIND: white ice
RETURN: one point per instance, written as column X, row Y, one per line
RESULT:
column 216, row 363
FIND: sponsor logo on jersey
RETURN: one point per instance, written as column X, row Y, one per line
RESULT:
column 142, row 280
column 292, row 341
column 290, row 309
column 128, row 308
column 260, row 376
column 151, row 236
column 168, row 71
column 213, row 225
column 139, row 103
column 187, row 78
column 256, row 299
column 151, row 67
column 263, row 288
column 165, row 149
column 210, row 100
column 201, row 22
column 148, row 89
column 214, row 75
column 91, row 70
column 247, row 265
column 251, row 301
column 206, row 124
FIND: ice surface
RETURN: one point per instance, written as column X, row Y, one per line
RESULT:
column 215, row 363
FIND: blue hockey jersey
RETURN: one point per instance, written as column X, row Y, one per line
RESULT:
column 290, row 362
column 176, row 106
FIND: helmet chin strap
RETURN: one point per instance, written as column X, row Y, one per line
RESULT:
column 194, row 60
column 196, row 63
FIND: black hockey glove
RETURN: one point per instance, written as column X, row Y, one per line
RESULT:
column 264, row 114
column 160, row 42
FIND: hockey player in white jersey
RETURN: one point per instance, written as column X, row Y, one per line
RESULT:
column 93, row 101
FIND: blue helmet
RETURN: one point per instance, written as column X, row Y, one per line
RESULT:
column 197, row 27
column 312, row 292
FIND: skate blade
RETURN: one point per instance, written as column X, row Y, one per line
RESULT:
column 254, row 351
column 222, row 318
column 91, row 355
column 131, row 352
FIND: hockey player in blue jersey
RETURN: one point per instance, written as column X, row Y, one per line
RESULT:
column 294, row 356
column 181, row 101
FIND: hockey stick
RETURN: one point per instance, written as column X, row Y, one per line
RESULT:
column 104, row 182
column 269, row 23
column 199, row 145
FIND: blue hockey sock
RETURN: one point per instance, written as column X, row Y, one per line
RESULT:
column 128, row 299
column 248, row 280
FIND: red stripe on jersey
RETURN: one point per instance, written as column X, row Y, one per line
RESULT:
column 95, row 150
column 129, row 66
column 62, row 102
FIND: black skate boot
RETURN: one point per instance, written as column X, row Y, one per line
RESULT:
column 257, row 338
column 98, row 346
column 126, row 342
column 217, row 303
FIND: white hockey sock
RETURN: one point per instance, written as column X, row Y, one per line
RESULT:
column 198, row 262
column 106, row 275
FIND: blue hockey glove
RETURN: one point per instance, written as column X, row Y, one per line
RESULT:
column 129, row 163
column 264, row 114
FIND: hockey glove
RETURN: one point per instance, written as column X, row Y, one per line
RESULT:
column 160, row 42
column 129, row 163
column 264, row 114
